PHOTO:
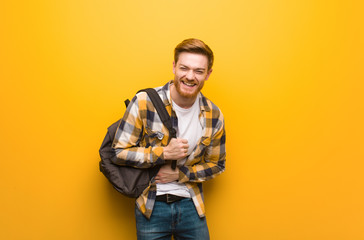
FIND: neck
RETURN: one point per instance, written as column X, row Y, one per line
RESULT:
column 181, row 101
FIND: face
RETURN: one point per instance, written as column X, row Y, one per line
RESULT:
column 190, row 73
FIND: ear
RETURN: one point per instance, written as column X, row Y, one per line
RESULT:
column 208, row 74
column 174, row 67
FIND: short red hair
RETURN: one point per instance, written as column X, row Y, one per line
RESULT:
column 193, row 45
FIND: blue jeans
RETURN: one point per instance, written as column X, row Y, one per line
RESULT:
column 179, row 219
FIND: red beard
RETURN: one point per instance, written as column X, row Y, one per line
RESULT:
column 185, row 94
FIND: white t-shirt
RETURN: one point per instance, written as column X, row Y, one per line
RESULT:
column 189, row 128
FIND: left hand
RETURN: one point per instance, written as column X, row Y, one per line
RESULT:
column 166, row 174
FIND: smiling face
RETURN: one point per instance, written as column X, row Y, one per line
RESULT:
column 190, row 73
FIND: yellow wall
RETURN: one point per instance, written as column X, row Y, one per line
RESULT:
column 288, row 76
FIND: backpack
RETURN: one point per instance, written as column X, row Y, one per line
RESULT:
column 127, row 180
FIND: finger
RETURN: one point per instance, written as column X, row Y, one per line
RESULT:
column 185, row 146
column 181, row 140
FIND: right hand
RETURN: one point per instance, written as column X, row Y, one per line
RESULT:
column 176, row 149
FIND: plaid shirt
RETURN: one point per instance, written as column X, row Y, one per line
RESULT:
column 141, row 136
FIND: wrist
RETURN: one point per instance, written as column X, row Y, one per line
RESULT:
column 166, row 153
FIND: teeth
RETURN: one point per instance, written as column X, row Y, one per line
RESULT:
column 189, row 84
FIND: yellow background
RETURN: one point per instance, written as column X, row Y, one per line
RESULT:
column 288, row 76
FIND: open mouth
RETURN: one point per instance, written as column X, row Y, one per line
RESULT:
column 189, row 84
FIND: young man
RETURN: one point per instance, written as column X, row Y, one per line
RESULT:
column 173, row 203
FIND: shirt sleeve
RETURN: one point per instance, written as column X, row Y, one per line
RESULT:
column 128, row 145
column 213, row 161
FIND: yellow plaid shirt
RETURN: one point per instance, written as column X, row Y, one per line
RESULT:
column 141, row 136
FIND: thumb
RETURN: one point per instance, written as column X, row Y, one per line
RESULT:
column 181, row 140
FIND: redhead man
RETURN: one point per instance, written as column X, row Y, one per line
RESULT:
column 173, row 203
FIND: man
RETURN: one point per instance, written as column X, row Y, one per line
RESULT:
column 173, row 203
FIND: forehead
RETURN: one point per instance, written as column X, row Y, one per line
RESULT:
column 192, row 60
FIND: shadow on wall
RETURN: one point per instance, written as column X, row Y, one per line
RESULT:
column 119, row 209
column 212, row 187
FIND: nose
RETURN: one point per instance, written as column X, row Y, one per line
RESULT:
column 190, row 75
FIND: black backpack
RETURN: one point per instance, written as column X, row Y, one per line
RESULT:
column 128, row 180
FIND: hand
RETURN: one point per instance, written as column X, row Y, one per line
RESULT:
column 166, row 174
column 176, row 149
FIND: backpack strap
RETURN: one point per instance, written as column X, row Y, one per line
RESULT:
column 163, row 114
